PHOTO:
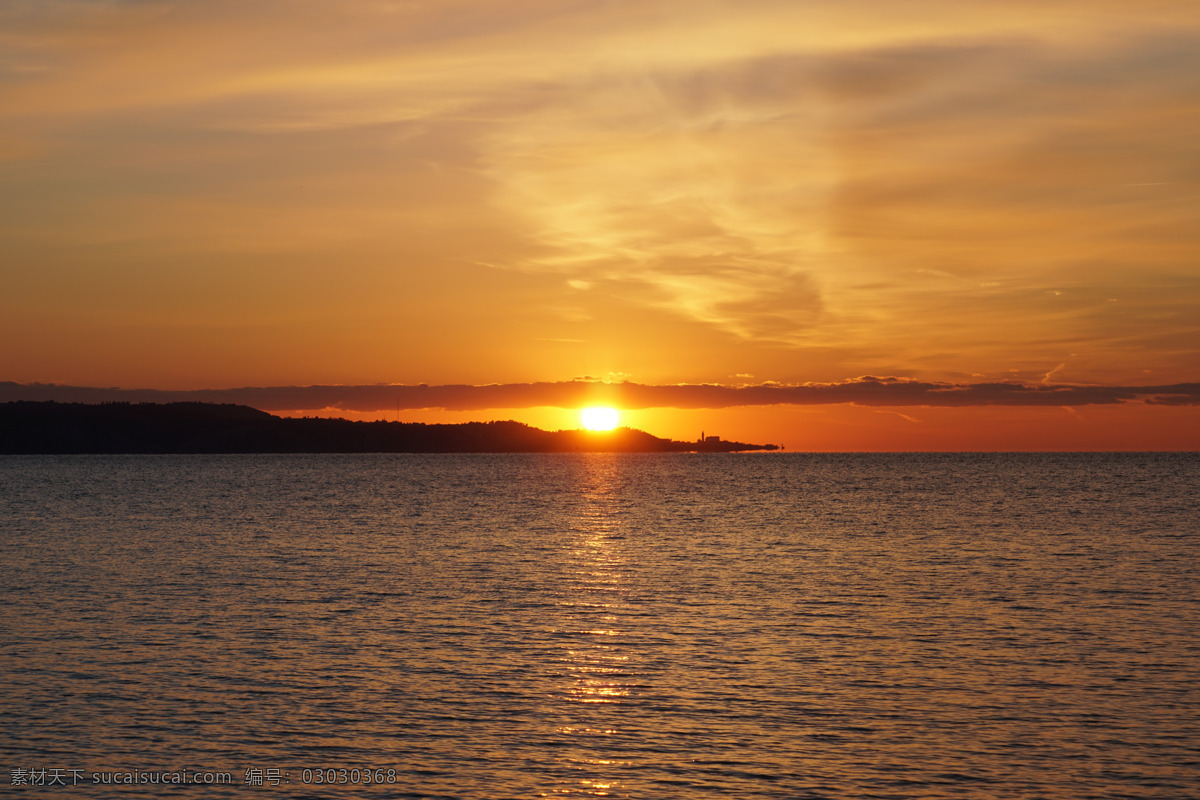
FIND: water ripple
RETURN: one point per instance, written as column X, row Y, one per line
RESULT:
column 607, row 626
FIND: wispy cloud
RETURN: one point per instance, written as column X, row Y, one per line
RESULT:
column 813, row 189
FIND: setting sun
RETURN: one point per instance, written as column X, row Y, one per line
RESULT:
column 599, row 418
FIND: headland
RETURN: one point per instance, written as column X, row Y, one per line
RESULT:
column 61, row 428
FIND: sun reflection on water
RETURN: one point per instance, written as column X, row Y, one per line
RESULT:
column 597, row 657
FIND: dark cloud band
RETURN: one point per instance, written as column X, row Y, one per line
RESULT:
column 866, row 391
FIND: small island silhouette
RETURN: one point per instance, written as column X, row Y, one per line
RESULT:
column 28, row 427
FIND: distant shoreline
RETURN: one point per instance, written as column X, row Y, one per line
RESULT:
column 53, row 428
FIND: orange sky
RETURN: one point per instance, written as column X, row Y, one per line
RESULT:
column 228, row 194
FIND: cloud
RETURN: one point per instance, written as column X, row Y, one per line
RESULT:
column 884, row 392
column 859, row 186
column 958, row 173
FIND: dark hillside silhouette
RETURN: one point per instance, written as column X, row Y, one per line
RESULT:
column 51, row 428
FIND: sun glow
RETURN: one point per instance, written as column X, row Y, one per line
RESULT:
column 600, row 418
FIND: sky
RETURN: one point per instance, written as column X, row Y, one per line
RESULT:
column 850, row 225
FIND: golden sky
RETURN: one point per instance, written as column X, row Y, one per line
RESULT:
column 219, row 194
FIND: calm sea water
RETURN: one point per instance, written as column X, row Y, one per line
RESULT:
column 641, row 626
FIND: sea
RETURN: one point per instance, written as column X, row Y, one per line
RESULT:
column 694, row 626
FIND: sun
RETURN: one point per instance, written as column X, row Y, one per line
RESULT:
column 599, row 418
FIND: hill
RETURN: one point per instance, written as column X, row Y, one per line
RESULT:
column 53, row 428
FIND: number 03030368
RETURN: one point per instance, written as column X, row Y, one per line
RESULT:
column 342, row 775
